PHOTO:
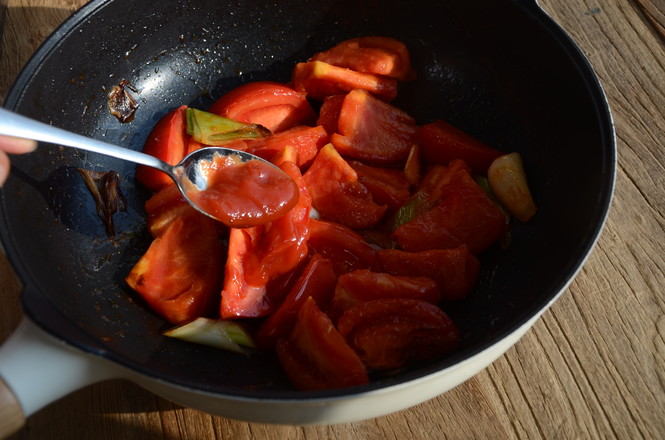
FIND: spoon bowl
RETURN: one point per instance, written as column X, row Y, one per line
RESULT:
column 188, row 174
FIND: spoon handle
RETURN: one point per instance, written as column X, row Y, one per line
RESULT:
column 13, row 124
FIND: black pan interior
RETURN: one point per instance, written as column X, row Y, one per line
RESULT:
column 500, row 70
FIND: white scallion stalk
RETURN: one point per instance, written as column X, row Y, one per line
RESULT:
column 227, row 335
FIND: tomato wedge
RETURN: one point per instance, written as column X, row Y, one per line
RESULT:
column 465, row 215
column 283, row 242
column 316, row 356
column 364, row 285
column 307, row 141
column 428, row 193
column 317, row 280
column 318, row 80
column 343, row 246
column 179, row 276
column 169, row 142
column 455, row 270
column 165, row 206
column 372, row 54
column 441, row 143
column 329, row 112
column 372, row 130
column 259, row 255
column 390, row 333
column 274, row 105
column 337, row 194
column 388, row 186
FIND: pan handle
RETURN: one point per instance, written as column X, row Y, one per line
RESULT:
column 36, row 369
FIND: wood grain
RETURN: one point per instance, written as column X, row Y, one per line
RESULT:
column 593, row 367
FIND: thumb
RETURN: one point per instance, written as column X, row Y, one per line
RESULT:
column 4, row 167
column 16, row 145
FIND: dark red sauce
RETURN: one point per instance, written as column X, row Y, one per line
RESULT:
column 244, row 194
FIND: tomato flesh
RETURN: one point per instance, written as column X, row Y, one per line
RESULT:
column 317, row 280
column 390, row 333
column 307, row 141
column 315, row 356
column 179, row 276
column 373, row 54
column 455, row 270
column 388, row 186
column 372, row 130
column 260, row 257
column 464, row 215
column 337, row 194
column 343, row 246
column 319, row 80
column 364, row 285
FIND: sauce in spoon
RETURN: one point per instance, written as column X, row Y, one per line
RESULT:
column 241, row 193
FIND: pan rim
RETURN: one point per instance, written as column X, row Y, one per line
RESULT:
column 606, row 128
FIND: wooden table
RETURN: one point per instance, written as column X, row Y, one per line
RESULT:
column 593, row 367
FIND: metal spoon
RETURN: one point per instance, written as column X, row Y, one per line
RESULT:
column 183, row 174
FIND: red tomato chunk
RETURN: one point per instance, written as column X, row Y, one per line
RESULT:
column 274, row 105
column 385, row 230
column 315, row 356
column 390, row 333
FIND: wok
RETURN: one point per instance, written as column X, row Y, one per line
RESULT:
column 501, row 70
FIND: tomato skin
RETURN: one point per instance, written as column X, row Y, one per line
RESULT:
column 169, row 142
column 438, row 176
column 442, row 142
column 364, row 285
column 319, row 80
column 455, row 271
column 428, row 193
column 343, row 246
column 240, row 298
column 179, row 276
column 388, row 186
column 315, row 356
column 372, row 130
column 274, row 105
column 308, row 141
column 337, row 194
column 329, row 112
column 372, row 54
column 317, row 280
column 390, row 333
column 465, row 215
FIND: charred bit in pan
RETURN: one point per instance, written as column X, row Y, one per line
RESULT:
column 105, row 189
column 121, row 103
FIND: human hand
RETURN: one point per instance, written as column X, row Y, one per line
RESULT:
column 12, row 145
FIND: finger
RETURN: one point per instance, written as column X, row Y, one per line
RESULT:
column 4, row 167
column 16, row 145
